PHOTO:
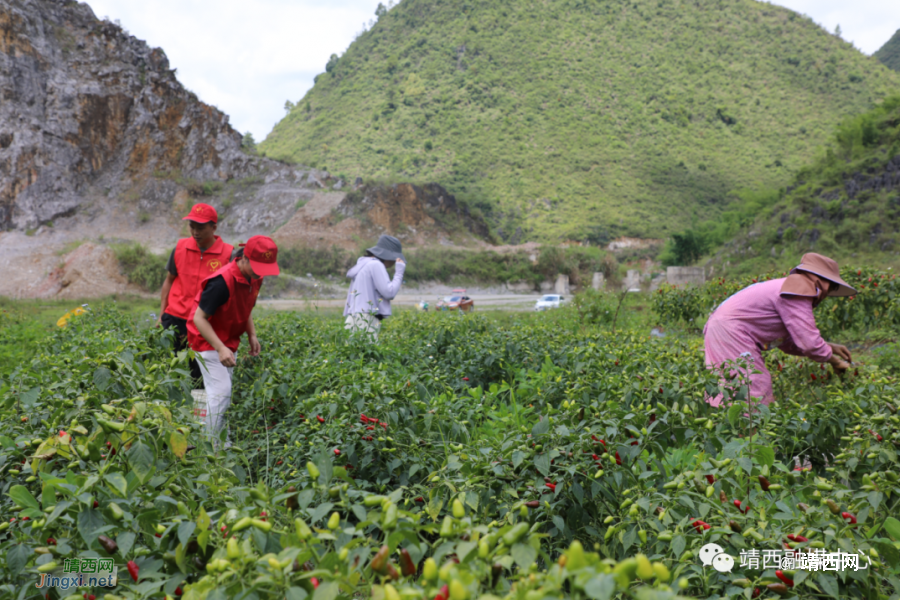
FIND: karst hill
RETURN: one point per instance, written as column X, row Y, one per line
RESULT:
column 582, row 119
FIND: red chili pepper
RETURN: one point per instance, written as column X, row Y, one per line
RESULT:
column 877, row 436
column 711, row 479
column 337, row 452
column 178, row 592
column 133, row 570
column 660, row 390
column 364, row 418
column 420, row 499
column 845, row 515
column 700, row 526
column 787, row 580
column 315, row 582
column 370, row 428
column 764, row 483
column 320, row 419
column 737, row 504
column 796, row 538
column 51, row 542
column 407, row 566
column 618, row 459
column 756, row 593
column 96, row 504
column 634, row 443
column 443, row 594
column 552, row 486
column 383, row 424
column 812, row 376
column 465, row 378
column 26, row 518
column 595, row 457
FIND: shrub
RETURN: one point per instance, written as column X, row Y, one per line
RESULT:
column 140, row 266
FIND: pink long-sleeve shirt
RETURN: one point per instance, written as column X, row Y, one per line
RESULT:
column 758, row 318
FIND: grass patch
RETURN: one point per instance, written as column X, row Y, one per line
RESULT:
column 141, row 266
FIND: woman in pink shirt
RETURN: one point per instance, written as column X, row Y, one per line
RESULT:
column 776, row 313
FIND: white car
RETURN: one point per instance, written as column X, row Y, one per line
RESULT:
column 549, row 301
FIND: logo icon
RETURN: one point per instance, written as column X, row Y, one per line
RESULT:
column 214, row 264
column 709, row 552
column 714, row 554
column 268, row 255
column 198, row 208
column 723, row 563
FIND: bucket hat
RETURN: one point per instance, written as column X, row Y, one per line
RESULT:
column 387, row 248
column 825, row 268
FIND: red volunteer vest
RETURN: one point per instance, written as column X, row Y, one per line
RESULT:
column 230, row 320
column 193, row 267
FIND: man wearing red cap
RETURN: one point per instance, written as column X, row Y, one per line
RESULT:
column 192, row 260
column 221, row 315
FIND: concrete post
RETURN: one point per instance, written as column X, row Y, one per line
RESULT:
column 562, row 285
column 599, row 281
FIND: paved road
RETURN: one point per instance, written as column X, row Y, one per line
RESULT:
column 487, row 301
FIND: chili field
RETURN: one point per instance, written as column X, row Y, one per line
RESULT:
column 529, row 457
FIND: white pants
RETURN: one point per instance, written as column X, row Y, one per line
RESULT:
column 363, row 323
column 217, row 381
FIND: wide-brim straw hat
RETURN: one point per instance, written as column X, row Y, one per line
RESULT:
column 825, row 268
column 387, row 248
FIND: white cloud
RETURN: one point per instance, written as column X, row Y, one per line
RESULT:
column 247, row 58
column 866, row 23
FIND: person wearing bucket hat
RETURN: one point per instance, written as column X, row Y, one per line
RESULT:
column 372, row 289
column 776, row 314
column 221, row 315
column 191, row 261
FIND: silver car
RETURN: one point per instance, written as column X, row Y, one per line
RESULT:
column 549, row 301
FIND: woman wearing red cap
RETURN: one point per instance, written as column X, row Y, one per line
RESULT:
column 192, row 260
column 776, row 313
column 221, row 315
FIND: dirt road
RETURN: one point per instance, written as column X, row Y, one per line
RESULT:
column 483, row 301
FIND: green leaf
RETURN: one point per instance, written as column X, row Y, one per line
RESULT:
column 22, row 497
column 125, row 540
column 523, row 555
column 185, row 530
column 829, row 584
column 17, row 557
column 296, row 593
column 542, row 463
column 892, row 527
column 101, row 378
column 678, row 544
column 203, row 520
column 734, row 413
column 319, row 512
column 765, row 456
column 30, row 397
column 517, row 457
column 203, row 539
column 600, row 587
column 542, row 427
column 89, row 521
column 888, row 552
column 327, row 590
column 142, row 461
column 118, row 483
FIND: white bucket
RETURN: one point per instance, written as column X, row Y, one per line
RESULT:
column 199, row 404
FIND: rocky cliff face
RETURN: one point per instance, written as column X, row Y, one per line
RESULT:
column 85, row 105
column 100, row 142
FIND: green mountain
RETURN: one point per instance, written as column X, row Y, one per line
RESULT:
column 582, row 119
column 889, row 54
column 845, row 204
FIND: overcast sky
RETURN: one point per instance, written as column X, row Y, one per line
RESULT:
column 247, row 58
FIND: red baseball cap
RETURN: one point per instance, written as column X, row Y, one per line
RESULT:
column 202, row 213
column 262, row 253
